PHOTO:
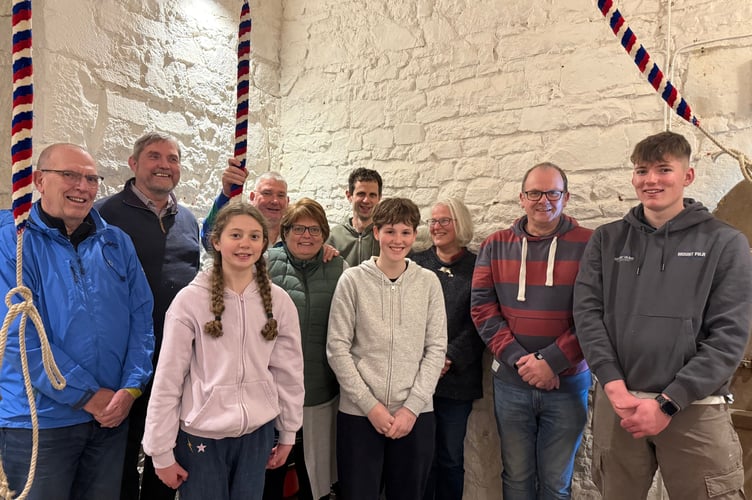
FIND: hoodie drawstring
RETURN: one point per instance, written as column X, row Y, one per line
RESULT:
column 523, row 272
column 551, row 260
column 644, row 237
column 641, row 258
column 523, row 267
column 665, row 244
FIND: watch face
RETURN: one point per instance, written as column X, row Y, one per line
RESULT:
column 668, row 407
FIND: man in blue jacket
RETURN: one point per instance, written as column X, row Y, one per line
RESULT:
column 95, row 304
column 662, row 306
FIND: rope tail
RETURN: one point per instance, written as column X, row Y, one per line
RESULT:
column 659, row 82
column 21, row 152
column 27, row 310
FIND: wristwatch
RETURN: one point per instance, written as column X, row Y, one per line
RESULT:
column 537, row 355
column 666, row 405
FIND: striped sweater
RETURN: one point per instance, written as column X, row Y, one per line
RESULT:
column 521, row 299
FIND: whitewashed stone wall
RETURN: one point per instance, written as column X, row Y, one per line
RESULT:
column 106, row 72
column 443, row 97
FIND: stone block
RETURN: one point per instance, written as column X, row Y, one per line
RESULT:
column 409, row 133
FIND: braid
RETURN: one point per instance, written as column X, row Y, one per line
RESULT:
column 269, row 332
column 214, row 327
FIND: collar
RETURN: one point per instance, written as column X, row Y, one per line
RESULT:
column 149, row 203
column 83, row 231
column 304, row 263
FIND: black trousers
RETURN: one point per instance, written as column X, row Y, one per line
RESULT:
column 364, row 457
column 274, row 483
column 152, row 488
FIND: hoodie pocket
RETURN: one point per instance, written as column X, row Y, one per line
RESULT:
column 654, row 349
column 232, row 410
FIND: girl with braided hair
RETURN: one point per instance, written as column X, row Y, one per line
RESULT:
column 230, row 371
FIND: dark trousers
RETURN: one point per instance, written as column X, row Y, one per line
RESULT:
column 152, row 488
column 364, row 456
column 447, row 478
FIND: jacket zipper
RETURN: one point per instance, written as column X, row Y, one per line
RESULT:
column 391, row 346
column 244, row 410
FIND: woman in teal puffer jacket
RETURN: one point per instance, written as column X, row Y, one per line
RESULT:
column 298, row 267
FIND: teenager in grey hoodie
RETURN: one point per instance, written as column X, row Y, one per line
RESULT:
column 662, row 308
column 387, row 344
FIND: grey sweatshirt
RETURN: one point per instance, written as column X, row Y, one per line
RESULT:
column 668, row 309
column 387, row 340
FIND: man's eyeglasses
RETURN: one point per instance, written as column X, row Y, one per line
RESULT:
column 299, row 230
column 74, row 178
column 443, row 222
column 537, row 195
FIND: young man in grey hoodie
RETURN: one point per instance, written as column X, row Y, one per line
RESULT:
column 662, row 307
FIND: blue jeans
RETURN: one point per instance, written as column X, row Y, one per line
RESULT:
column 225, row 469
column 447, row 478
column 540, row 432
column 79, row 462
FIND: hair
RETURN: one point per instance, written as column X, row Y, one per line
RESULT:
column 44, row 156
column 463, row 221
column 304, row 207
column 396, row 211
column 546, row 164
column 151, row 138
column 214, row 327
column 656, row 147
column 269, row 176
column 363, row 175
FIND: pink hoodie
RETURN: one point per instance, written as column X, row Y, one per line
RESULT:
column 227, row 386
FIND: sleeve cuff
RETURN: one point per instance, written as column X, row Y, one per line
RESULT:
column 136, row 393
column 163, row 460
column 415, row 405
column 287, row 437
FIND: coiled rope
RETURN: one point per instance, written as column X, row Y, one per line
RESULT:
column 21, row 152
column 660, row 83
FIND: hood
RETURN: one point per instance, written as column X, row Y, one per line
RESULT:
column 347, row 224
column 566, row 224
column 640, row 231
column 693, row 213
column 203, row 279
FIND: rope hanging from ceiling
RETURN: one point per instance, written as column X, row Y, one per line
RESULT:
column 241, row 113
column 659, row 81
column 21, row 151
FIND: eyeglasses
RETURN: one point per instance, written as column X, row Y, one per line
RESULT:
column 74, row 178
column 443, row 222
column 299, row 230
column 537, row 195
